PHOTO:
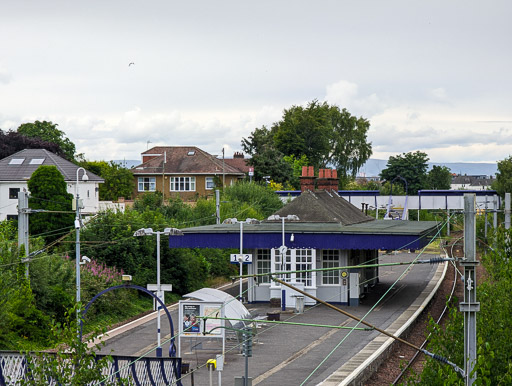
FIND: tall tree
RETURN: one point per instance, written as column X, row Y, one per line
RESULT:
column 325, row 134
column 47, row 131
column 48, row 192
column 11, row 142
column 503, row 182
column 410, row 166
column 266, row 159
column 305, row 131
column 439, row 178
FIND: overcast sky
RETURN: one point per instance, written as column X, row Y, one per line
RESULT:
column 434, row 76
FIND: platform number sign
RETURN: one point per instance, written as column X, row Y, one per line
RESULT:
column 245, row 258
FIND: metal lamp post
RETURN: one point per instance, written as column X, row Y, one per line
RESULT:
column 85, row 177
column 150, row 232
column 240, row 258
column 283, row 249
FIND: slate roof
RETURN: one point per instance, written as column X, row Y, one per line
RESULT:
column 323, row 207
column 183, row 160
column 20, row 166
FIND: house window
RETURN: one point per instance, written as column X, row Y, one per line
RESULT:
column 16, row 161
column 263, row 265
column 12, row 217
column 13, row 193
column 183, row 184
column 295, row 260
column 209, row 183
column 147, row 184
column 330, row 259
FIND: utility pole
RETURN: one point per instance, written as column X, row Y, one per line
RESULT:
column 470, row 306
column 217, row 206
column 23, row 225
column 507, row 210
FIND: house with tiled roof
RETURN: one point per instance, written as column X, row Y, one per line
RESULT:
column 16, row 170
column 182, row 171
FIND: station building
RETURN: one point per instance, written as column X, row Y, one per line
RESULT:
column 317, row 230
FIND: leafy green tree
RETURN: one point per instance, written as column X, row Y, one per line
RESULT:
column 119, row 181
column 439, row 178
column 503, row 182
column 48, row 192
column 11, row 142
column 305, row 131
column 410, row 166
column 494, row 332
column 296, row 164
column 244, row 195
column 266, row 159
column 324, row 134
column 47, row 131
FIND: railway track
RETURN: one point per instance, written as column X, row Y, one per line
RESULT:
column 453, row 249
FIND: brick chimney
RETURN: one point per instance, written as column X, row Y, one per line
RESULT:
column 335, row 183
column 324, row 179
column 307, row 180
column 238, row 155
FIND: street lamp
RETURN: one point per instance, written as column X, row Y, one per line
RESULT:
column 150, row 232
column 78, row 206
column 240, row 258
column 283, row 249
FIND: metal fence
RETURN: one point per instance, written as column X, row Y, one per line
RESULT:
column 138, row 371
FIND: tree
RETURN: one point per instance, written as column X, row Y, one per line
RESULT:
column 439, row 177
column 119, row 181
column 265, row 158
column 410, row 166
column 11, row 142
column 48, row 192
column 324, row 134
column 305, row 131
column 47, row 131
column 503, row 182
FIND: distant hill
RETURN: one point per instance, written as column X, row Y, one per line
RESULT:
column 373, row 167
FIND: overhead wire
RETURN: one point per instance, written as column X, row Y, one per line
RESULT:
column 362, row 321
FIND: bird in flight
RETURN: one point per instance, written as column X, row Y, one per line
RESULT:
column 130, row 64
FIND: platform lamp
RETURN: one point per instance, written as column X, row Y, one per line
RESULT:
column 150, row 232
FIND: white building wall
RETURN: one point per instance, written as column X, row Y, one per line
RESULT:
column 88, row 191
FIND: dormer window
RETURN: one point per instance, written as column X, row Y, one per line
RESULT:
column 16, row 161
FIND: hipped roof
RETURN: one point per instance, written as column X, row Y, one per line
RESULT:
column 323, row 207
column 183, row 160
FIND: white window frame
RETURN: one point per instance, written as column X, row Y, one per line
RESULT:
column 331, row 258
column 263, row 265
column 209, row 180
column 149, row 182
column 295, row 260
column 183, row 184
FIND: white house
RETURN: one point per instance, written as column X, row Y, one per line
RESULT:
column 479, row 182
column 17, row 169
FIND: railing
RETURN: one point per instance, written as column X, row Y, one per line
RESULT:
column 143, row 371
